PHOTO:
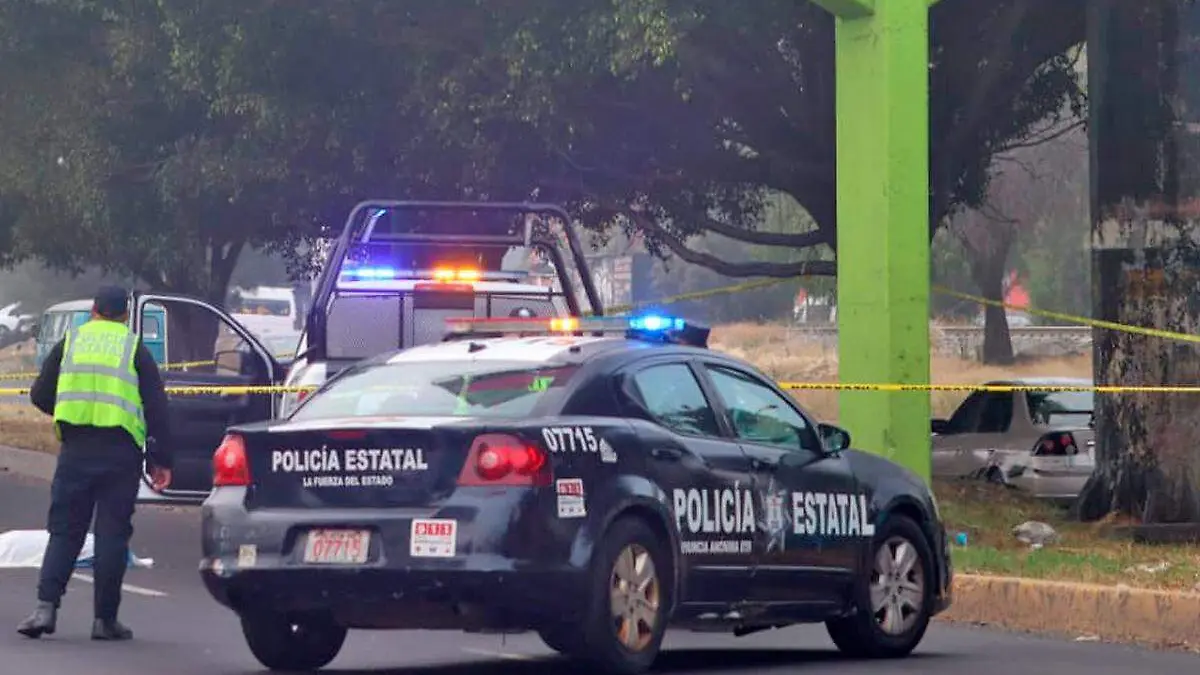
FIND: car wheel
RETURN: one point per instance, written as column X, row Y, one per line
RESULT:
column 894, row 601
column 283, row 644
column 5, row 336
column 632, row 589
column 995, row 476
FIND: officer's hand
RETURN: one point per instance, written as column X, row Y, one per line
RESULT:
column 160, row 478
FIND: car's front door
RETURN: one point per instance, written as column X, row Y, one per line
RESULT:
column 811, row 515
column 705, row 475
column 208, row 349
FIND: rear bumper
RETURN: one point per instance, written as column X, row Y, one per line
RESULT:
column 510, row 567
column 462, row 599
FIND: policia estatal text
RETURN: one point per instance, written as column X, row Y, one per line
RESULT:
column 106, row 395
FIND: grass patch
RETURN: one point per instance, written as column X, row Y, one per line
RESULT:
column 988, row 513
column 23, row 426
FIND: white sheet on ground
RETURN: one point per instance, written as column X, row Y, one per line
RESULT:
column 26, row 548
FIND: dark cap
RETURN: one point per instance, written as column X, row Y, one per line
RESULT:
column 112, row 302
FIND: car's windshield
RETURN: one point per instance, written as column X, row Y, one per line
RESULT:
column 440, row 388
column 1061, row 407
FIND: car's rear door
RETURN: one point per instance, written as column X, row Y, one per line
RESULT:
column 704, row 472
column 207, row 348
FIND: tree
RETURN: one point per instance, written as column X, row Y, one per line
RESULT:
column 693, row 109
column 1146, row 225
column 186, row 135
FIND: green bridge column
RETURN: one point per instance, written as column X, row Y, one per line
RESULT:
column 883, row 222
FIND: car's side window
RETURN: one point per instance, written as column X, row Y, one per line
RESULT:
column 758, row 414
column 997, row 413
column 966, row 417
column 673, row 397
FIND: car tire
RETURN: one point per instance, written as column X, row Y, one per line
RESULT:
column 283, row 644
column 894, row 600
column 634, row 566
column 5, row 336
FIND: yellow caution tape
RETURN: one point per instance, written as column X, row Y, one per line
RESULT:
column 1071, row 318
column 181, row 365
column 804, row 386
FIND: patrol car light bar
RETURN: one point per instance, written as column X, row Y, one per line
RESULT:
column 651, row 327
column 358, row 275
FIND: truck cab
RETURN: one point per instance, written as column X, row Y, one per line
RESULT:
column 65, row 316
column 396, row 274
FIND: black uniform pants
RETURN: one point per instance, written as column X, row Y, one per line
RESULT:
column 99, row 481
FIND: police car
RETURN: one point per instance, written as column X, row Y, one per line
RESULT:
column 593, row 480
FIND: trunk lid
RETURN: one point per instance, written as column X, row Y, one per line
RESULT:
column 355, row 463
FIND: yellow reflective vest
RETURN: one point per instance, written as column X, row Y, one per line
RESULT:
column 98, row 381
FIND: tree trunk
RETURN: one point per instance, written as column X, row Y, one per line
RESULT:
column 1144, row 168
column 997, row 341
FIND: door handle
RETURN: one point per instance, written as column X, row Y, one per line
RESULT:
column 667, row 454
column 759, row 465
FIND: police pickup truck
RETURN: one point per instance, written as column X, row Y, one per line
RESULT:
column 593, row 480
column 396, row 273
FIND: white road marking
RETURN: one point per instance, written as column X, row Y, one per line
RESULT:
column 128, row 588
column 502, row 655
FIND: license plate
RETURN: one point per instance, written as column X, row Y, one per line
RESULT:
column 337, row 547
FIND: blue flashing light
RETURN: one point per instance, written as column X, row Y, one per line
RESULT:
column 654, row 323
column 370, row 272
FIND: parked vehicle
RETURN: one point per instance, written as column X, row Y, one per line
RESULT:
column 1042, row 442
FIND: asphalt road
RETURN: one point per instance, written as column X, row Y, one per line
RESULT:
column 179, row 630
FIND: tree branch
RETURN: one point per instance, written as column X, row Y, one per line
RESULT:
column 1039, row 138
column 759, row 238
column 647, row 224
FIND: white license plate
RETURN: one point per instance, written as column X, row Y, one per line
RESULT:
column 337, row 547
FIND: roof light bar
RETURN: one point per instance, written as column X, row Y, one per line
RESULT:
column 352, row 272
column 651, row 327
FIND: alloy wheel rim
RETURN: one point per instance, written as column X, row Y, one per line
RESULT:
column 635, row 594
column 897, row 587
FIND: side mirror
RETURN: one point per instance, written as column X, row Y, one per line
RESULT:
column 939, row 426
column 834, row 438
column 232, row 361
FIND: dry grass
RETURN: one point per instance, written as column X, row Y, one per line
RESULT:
column 23, row 426
column 787, row 356
column 986, row 514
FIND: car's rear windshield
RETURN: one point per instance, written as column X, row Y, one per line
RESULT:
column 437, row 389
column 1061, row 407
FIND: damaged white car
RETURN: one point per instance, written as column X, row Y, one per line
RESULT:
column 1041, row 442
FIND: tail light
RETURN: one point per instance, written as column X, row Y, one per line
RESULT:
column 1056, row 444
column 501, row 459
column 230, row 466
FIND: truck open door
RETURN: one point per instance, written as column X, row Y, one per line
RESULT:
column 208, row 348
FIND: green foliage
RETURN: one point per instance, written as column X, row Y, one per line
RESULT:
column 162, row 138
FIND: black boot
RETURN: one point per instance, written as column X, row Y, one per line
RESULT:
column 41, row 622
column 111, row 630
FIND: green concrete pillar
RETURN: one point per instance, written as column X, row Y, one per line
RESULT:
column 883, row 223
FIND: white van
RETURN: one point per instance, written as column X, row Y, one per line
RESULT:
column 266, row 311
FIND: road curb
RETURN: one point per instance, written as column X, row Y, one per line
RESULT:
column 28, row 463
column 1110, row 613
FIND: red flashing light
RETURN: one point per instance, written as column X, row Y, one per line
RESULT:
column 504, row 460
column 230, row 466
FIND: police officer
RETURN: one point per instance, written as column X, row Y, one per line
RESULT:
column 106, row 395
